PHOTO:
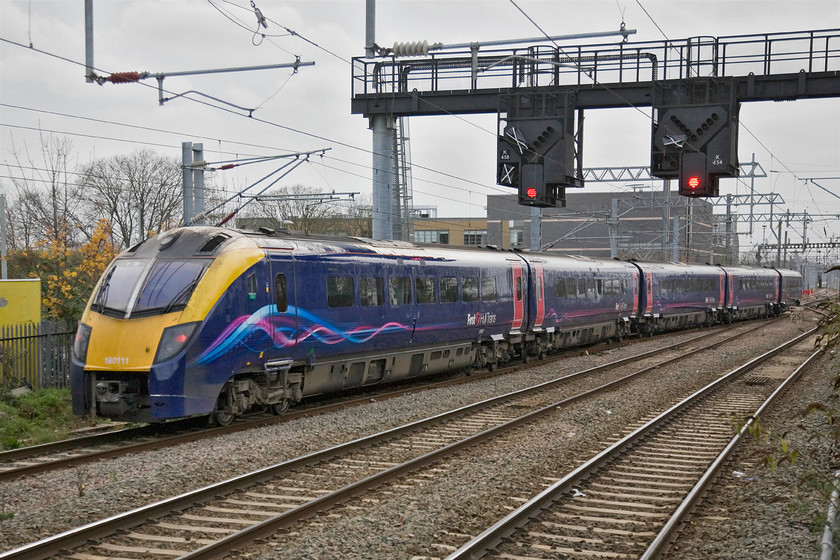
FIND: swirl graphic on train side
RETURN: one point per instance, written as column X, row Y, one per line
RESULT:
column 295, row 325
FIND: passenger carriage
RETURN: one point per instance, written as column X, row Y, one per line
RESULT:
column 679, row 295
column 577, row 300
column 751, row 292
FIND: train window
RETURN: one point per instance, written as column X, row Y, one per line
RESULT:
column 426, row 289
column 372, row 291
column 118, row 285
column 400, row 293
column 280, row 293
column 448, row 289
column 469, row 289
column 518, row 288
column 560, row 287
column 340, row 291
column 539, row 288
column 571, row 288
column 590, row 287
column 251, row 282
column 214, row 243
column 168, row 286
column 599, row 287
column 488, row 288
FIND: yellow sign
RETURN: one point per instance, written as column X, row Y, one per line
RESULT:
column 20, row 302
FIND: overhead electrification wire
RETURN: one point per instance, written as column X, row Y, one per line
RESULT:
column 254, row 118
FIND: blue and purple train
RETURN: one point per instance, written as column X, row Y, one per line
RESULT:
column 215, row 321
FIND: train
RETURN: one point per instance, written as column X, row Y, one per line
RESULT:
column 204, row 320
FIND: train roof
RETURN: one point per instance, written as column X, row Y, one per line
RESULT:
column 209, row 241
column 679, row 268
column 749, row 271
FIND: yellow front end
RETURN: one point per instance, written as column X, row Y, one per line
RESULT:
column 125, row 344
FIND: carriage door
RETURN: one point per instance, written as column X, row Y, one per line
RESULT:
column 540, row 295
column 285, row 316
column 648, row 292
column 635, row 293
column 518, row 297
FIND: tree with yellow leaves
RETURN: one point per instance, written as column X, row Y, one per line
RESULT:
column 68, row 276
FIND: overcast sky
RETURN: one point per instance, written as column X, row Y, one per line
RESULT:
column 310, row 109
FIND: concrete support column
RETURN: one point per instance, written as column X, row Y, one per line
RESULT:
column 384, row 136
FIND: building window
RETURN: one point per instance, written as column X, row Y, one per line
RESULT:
column 432, row 236
column 517, row 237
column 475, row 237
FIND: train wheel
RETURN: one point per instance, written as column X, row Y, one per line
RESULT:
column 223, row 415
column 222, row 418
column 280, row 408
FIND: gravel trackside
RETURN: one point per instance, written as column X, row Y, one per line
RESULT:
column 765, row 514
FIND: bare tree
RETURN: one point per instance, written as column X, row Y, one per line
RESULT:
column 139, row 193
column 358, row 218
column 309, row 210
column 45, row 206
column 299, row 205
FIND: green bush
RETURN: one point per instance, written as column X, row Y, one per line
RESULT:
column 41, row 416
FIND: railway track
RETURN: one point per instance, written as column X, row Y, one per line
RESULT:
column 630, row 500
column 37, row 459
column 211, row 522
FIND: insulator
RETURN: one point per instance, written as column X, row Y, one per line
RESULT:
column 124, row 77
column 227, row 166
column 226, row 218
column 417, row 48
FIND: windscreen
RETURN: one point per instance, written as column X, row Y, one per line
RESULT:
column 166, row 286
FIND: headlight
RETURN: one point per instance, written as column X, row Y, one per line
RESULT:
column 80, row 343
column 173, row 340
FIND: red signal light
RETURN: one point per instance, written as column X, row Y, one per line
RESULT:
column 531, row 192
column 693, row 182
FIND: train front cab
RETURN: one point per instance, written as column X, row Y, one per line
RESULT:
column 140, row 339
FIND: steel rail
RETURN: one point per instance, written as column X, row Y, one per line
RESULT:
column 158, row 443
column 221, row 548
column 72, row 538
column 481, row 544
column 665, row 538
